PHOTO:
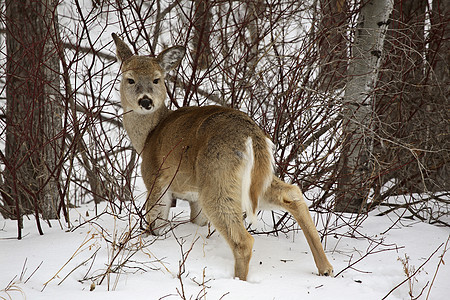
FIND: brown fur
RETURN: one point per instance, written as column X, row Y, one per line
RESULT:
column 215, row 157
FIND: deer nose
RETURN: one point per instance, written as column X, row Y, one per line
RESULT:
column 145, row 102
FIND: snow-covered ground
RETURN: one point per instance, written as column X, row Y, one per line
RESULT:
column 54, row 265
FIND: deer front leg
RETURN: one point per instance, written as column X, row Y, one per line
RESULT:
column 157, row 211
column 197, row 216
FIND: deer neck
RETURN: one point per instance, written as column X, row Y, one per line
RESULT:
column 138, row 126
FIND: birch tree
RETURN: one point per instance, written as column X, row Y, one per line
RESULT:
column 355, row 163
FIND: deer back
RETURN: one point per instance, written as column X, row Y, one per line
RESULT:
column 196, row 146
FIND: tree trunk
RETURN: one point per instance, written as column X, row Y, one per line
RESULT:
column 439, row 60
column 412, row 110
column 355, row 163
column 333, row 44
column 202, row 32
column 34, row 113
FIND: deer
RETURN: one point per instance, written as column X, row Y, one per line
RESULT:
column 217, row 158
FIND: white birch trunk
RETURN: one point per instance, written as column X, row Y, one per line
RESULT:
column 355, row 161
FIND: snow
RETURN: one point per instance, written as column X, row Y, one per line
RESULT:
column 65, row 262
column 51, row 266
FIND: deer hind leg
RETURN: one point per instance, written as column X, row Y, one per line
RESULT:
column 225, row 213
column 290, row 198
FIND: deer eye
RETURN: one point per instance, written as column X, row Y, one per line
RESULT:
column 156, row 81
column 130, row 81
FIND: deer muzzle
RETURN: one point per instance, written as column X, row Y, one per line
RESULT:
column 146, row 103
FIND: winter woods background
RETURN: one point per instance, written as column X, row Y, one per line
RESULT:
column 354, row 95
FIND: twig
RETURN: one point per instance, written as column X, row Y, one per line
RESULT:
column 413, row 274
column 67, row 262
column 29, row 277
column 370, row 251
column 441, row 261
column 182, row 263
column 12, row 287
column 85, row 261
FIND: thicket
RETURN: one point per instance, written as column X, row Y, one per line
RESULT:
column 285, row 63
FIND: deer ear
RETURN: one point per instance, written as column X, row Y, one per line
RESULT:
column 170, row 58
column 122, row 50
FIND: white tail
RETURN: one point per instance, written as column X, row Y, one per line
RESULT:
column 217, row 158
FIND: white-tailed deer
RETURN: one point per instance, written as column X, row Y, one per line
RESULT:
column 217, row 158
